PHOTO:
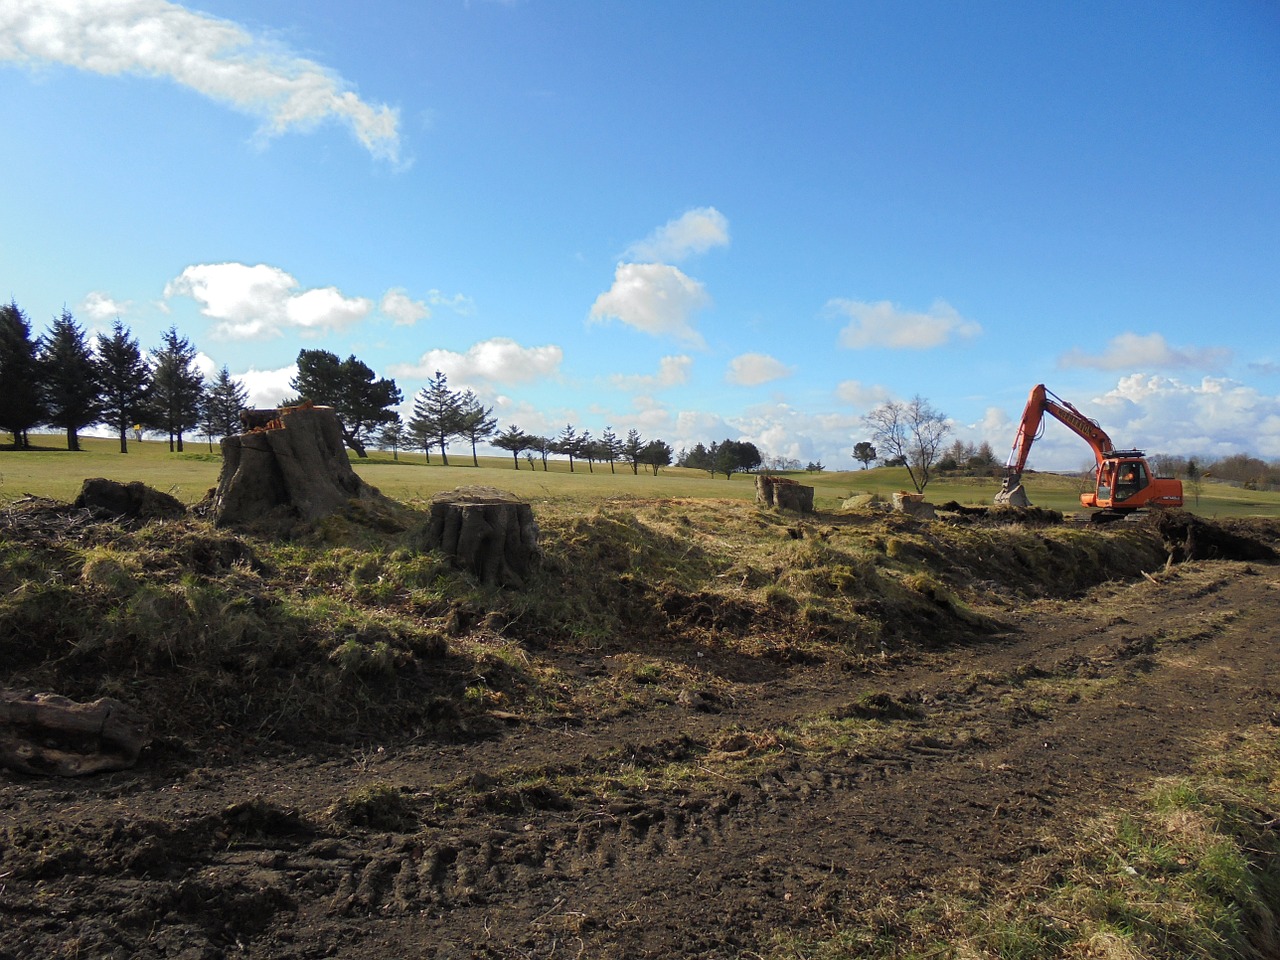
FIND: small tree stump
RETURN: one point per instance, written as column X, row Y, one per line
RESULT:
column 783, row 493
column 913, row 504
column 488, row 532
column 296, row 465
column 43, row 733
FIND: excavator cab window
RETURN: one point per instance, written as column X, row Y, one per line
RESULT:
column 1130, row 478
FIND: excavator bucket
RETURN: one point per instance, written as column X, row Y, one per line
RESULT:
column 1012, row 494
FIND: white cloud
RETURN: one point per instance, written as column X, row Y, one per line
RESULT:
column 1133, row 351
column 753, row 369
column 672, row 372
column 861, row 395
column 496, row 361
column 262, row 301
column 654, row 297
column 325, row 308
column 695, row 231
column 205, row 364
column 100, row 308
column 216, row 58
column 458, row 303
column 884, row 324
column 268, row 388
column 403, row 310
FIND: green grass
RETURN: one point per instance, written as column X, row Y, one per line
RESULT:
column 52, row 471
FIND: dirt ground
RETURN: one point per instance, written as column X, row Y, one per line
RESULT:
column 691, row 825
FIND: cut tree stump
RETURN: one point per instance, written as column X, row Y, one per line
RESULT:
column 295, row 467
column 44, row 733
column 490, row 533
column 783, row 493
column 913, row 504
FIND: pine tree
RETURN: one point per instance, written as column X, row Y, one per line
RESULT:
column 69, row 386
column 437, row 413
column 125, row 379
column 631, row 449
column 361, row 403
column 224, row 398
column 610, row 447
column 567, row 443
column 20, row 401
column 392, row 435
column 476, row 422
column 177, row 388
column 515, row 440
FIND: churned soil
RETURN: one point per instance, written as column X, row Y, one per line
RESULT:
column 697, row 824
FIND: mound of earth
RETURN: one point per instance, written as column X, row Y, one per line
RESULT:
column 1188, row 537
column 127, row 501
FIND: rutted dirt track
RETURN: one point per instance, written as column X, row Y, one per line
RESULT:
column 707, row 828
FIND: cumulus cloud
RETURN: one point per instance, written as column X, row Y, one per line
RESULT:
column 496, row 361
column 1151, row 351
column 268, row 388
column 216, row 58
column 884, row 324
column 861, row 395
column 672, row 371
column 654, row 297
column 753, row 369
column 405, row 311
column 695, row 231
column 100, row 308
column 263, row 301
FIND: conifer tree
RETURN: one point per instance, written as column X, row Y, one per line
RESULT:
column 224, row 398
column 362, row 403
column 20, row 400
column 125, row 379
column 69, row 386
column 476, row 422
column 177, row 388
column 437, row 413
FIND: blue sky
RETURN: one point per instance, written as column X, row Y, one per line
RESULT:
column 700, row 220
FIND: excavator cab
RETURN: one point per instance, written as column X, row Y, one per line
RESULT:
column 1119, row 480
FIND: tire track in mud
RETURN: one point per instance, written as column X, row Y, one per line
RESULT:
column 974, row 776
column 937, row 782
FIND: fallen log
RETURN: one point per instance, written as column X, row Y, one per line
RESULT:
column 48, row 734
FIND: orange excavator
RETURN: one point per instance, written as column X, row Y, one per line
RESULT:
column 1124, row 481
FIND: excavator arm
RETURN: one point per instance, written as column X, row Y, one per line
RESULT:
column 1042, row 401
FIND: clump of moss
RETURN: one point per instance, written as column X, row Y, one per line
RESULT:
column 375, row 806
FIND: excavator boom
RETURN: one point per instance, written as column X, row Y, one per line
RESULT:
column 1042, row 401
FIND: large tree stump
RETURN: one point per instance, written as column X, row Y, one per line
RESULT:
column 488, row 532
column 295, row 466
column 43, row 733
column 783, row 493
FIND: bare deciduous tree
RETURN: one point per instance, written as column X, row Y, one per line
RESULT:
column 912, row 432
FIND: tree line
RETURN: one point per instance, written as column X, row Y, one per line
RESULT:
column 67, row 380
column 63, row 380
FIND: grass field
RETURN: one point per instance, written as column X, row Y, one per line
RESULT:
column 52, row 471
